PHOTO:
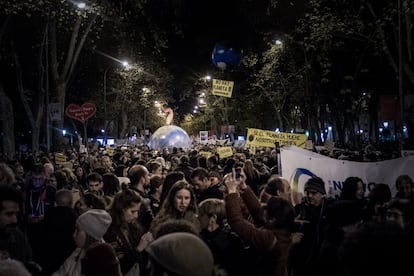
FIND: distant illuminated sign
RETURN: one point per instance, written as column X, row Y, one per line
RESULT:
column 222, row 88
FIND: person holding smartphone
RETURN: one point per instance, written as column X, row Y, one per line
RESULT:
column 271, row 241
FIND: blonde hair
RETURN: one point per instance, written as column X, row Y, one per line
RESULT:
column 249, row 168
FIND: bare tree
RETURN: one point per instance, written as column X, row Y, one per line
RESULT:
column 6, row 111
column 62, row 71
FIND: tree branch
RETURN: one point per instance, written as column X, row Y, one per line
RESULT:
column 4, row 27
column 385, row 48
column 42, row 71
column 71, row 49
column 408, row 31
column 20, row 87
column 53, row 50
column 80, row 46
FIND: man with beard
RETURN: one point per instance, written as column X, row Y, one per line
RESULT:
column 94, row 181
column 140, row 182
column 13, row 242
column 204, row 187
column 311, row 221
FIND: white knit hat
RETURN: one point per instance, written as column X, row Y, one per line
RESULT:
column 95, row 222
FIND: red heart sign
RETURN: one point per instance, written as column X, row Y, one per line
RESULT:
column 81, row 113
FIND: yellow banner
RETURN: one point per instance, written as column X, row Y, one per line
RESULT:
column 206, row 154
column 110, row 150
column 225, row 152
column 267, row 138
column 222, row 88
column 60, row 158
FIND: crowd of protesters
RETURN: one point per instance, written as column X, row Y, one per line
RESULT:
column 137, row 211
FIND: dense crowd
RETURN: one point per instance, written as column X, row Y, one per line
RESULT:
column 136, row 211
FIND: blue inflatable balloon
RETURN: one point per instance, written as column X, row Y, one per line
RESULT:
column 225, row 56
column 167, row 137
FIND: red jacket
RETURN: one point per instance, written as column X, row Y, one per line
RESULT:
column 272, row 244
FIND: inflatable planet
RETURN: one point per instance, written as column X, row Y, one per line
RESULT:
column 169, row 137
column 226, row 56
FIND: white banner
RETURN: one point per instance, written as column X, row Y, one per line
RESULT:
column 203, row 136
column 298, row 165
column 55, row 112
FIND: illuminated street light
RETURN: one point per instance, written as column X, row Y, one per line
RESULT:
column 124, row 64
column 81, row 5
column 278, row 42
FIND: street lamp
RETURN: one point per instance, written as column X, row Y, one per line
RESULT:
column 400, row 77
column 82, row 5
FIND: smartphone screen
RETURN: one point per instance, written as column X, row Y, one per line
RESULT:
column 238, row 171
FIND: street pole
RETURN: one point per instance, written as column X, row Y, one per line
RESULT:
column 125, row 65
column 47, row 94
column 104, row 99
column 400, row 78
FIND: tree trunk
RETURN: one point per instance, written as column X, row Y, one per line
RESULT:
column 124, row 124
column 62, row 72
column 34, row 109
column 6, row 112
column 7, row 125
column 57, row 138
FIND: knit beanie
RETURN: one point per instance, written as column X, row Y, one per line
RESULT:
column 315, row 183
column 12, row 267
column 100, row 259
column 183, row 254
column 95, row 222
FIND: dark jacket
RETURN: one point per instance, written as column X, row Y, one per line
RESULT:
column 58, row 244
column 125, row 247
column 228, row 250
column 210, row 192
column 305, row 254
column 16, row 244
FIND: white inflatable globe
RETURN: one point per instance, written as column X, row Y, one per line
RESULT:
column 169, row 137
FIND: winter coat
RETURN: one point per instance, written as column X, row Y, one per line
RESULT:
column 72, row 265
column 272, row 244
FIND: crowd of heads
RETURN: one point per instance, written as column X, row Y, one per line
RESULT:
column 139, row 202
